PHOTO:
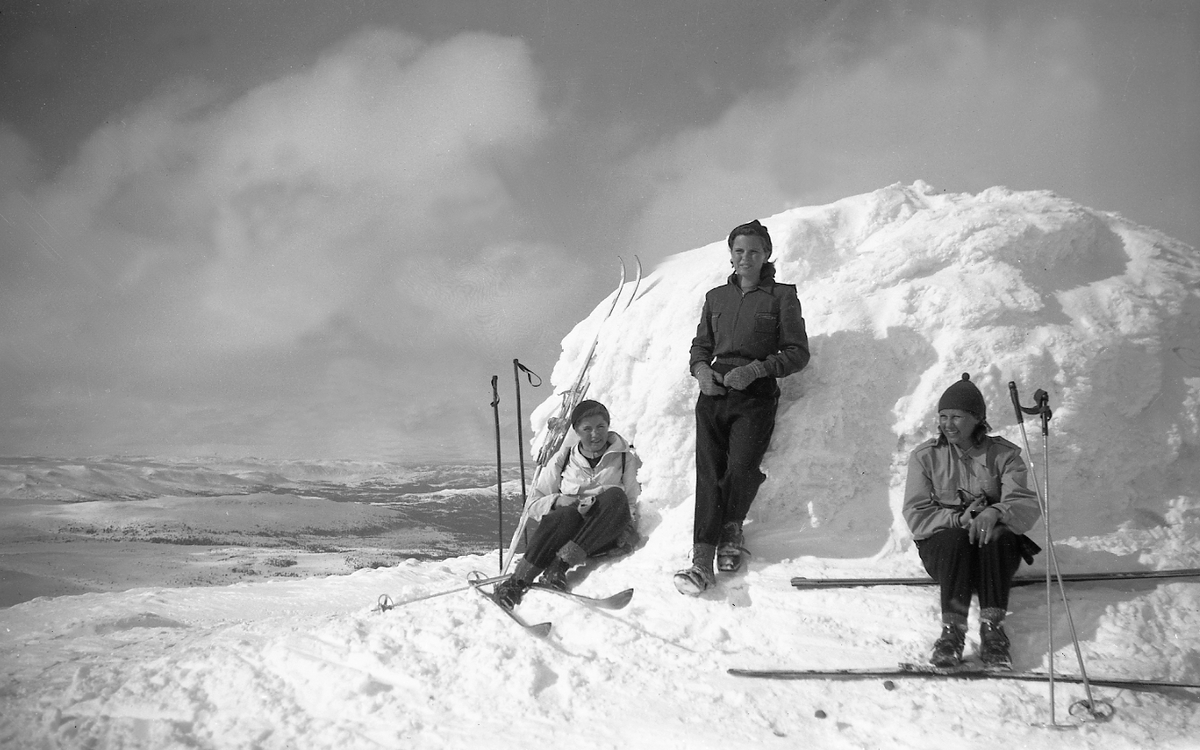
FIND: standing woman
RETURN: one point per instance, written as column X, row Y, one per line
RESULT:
column 750, row 333
column 968, row 505
column 586, row 499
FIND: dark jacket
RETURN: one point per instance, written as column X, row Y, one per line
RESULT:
column 764, row 324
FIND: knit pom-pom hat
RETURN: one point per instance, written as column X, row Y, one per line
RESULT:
column 964, row 396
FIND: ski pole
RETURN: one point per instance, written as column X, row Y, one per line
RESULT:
column 1042, row 400
column 1012, row 389
column 530, row 375
column 1043, row 409
column 386, row 602
column 499, row 473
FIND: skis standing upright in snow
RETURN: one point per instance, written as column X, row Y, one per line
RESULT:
column 557, row 426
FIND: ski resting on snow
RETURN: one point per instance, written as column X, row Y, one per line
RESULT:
column 1025, row 580
column 967, row 672
column 616, row 601
column 540, row 629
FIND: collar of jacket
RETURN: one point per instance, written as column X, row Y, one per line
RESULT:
column 616, row 444
column 976, row 449
column 765, row 282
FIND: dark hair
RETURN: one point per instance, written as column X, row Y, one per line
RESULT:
column 756, row 229
column 585, row 409
column 753, row 229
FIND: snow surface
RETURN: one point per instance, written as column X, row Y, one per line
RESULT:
column 903, row 289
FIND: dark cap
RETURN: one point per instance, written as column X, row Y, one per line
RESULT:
column 585, row 409
column 964, row 396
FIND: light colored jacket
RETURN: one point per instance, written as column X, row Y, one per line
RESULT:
column 993, row 468
column 569, row 473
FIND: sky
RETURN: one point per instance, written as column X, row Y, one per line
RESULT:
column 315, row 230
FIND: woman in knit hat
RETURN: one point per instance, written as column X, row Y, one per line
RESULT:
column 751, row 333
column 968, row 505
column 586, row 500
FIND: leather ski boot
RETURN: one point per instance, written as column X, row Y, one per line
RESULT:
column 699, row 578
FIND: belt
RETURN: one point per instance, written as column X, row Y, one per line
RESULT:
column 735, row 361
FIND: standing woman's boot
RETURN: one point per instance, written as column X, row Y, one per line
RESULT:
column 699, row 578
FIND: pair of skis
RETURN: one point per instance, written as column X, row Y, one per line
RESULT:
column 1126, row 575
column 969, row 671
column 557, row 426
column 964, row 672
column 542, row 629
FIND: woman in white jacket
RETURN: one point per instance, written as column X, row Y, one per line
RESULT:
column 585, row 500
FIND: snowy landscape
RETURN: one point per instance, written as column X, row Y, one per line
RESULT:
column 903, row 289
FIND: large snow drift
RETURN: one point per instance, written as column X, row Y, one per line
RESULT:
column 904, row 289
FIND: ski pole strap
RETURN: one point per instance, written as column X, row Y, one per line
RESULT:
column 1040, row 397
column 1043, row 407
column 529, row 374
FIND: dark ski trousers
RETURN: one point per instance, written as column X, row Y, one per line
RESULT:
column 732, row 435
column 595, row 533
column 963, row 569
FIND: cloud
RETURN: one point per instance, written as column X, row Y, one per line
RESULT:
column 961, row 106
column 346, row 218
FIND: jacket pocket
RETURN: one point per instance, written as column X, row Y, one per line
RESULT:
column 766, row 333
column 948, row 497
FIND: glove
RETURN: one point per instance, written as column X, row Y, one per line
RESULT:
column 740, row 378
column 626, row 542
column 710, row 381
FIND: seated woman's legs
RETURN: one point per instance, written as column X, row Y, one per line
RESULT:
column 998, row 563
column 565, row 538
column 950, row 559
column 602, row 526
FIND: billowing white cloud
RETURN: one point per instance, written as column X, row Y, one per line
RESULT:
column 947, row 103
column 348, row 213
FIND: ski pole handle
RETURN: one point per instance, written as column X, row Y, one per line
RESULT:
column 1042, row 399
column 1016, row 401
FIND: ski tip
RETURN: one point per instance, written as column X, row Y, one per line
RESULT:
column 541, row 629
column 621, row 599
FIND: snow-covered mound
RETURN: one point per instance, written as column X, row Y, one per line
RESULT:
column 904, row 289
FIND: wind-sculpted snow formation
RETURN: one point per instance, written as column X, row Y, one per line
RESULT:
column 903, row 290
